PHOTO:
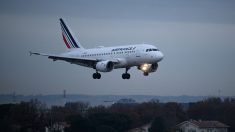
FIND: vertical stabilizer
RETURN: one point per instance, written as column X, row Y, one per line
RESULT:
column 69, row 39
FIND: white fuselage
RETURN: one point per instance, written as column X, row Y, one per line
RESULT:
column 127, row 56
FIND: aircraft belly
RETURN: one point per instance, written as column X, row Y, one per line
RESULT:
column 124, row 65
column 83, row 64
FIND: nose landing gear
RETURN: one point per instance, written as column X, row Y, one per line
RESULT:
column 146, row 73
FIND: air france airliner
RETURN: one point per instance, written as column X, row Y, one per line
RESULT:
column 104, row 59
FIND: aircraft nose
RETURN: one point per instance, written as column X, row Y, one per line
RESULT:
column 160, row 56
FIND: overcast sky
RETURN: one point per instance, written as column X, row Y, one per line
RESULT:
column 197, row 38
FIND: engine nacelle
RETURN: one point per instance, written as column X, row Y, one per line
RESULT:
column 104, row 66
column 153, row 67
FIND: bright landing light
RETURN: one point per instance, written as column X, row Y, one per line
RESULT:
column 145, row 67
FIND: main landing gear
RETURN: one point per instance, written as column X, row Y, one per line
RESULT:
column 146, row 73
column 126, row 75
column 96, row 75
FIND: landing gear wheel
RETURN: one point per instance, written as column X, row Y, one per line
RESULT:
column 96, row 75
column 126, row 75
column 146, row 73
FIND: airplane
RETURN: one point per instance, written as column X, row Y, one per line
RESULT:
column 105, row 59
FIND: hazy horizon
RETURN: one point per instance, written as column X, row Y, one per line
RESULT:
column 196, row 37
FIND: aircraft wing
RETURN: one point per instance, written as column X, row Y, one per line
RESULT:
column 88, row 62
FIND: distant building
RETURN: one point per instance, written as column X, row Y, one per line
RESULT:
column 57, row 127
column 201, row 126
column 143, row 128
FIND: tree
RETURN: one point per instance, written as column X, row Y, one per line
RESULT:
column 173, row 114
column 80, row 124
column 5, row 120
column 96, row 109
column 104, row 128
column 77, row 107
column 158, row 125
column 26, row 116
column 118, row 121
column 214, row 109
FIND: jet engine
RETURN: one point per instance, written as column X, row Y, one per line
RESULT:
column 153, row 67
column 104, row 66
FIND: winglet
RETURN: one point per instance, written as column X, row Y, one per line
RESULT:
column 34, row 53
column 30, row 53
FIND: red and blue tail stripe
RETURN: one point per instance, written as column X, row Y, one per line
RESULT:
column 65, row 41
column 67, row 35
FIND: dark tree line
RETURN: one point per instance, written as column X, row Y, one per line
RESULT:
column 214, row 109
column 33, row 116
column 26, row 116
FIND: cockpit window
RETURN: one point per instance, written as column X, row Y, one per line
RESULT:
column 148, row 50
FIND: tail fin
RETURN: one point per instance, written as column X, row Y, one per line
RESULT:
column 68, row 37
